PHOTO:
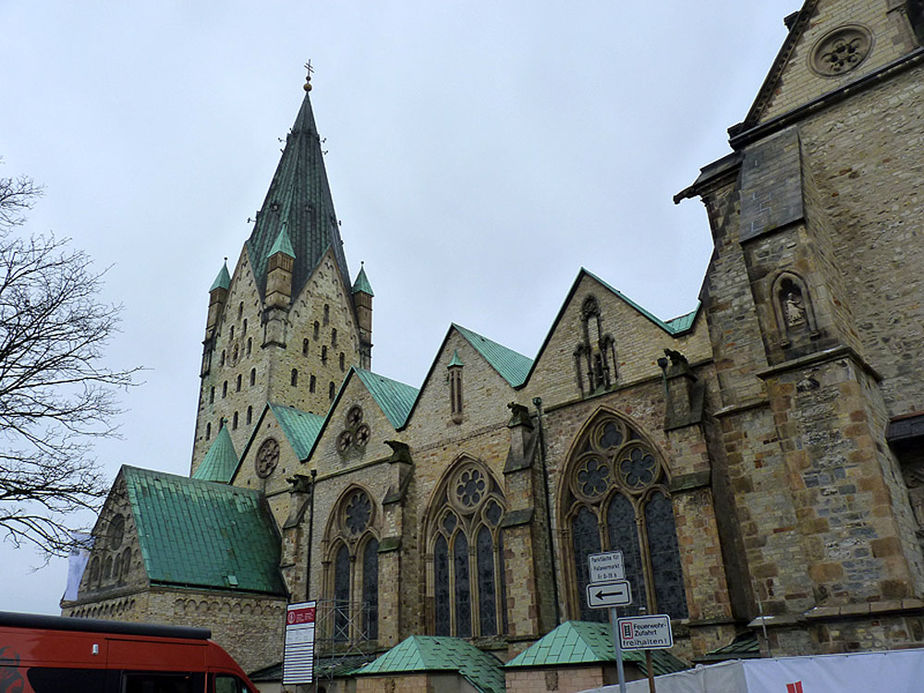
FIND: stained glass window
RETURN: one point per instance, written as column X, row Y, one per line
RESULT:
column 623, row 534
column 610, row 498
column 441, row 578
column 665, row 556
column 586, row 539
column 342, row 595
column 487, row 608
column 371, row 590
column 463, row 602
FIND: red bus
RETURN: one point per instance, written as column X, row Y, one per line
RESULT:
column 53, row 654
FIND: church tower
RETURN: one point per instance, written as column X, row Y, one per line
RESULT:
column 288, row 323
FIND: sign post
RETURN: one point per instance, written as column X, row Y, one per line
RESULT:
column 298, row 656
column 608, row 589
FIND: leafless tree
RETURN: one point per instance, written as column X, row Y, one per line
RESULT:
column 56, row 394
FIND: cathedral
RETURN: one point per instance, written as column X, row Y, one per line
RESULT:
column 759, row 460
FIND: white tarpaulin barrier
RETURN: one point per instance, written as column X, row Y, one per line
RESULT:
column 896, row 671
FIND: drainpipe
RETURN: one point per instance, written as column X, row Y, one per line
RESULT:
column 314, row 473
column 537, row 402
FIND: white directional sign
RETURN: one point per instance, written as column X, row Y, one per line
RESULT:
column 606, row 567
column 604, row 595
column 645, row 632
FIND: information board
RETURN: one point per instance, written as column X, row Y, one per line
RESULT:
column 298, row 656
column 645, row 632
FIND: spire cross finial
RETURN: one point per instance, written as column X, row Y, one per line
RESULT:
column 308, row 78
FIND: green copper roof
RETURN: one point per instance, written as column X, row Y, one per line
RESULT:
column 674, row 326
column 220, row 462
column 198, row 533
column 744, row 646
column 300, row 427
column 434, row 653
column 512, row 366
column 580, row 642
column 223, row 280
column 394, row 398
column 362, row 283
column 282, row 244
column 456, row 361
column 298, row 197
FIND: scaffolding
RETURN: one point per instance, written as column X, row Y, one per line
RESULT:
column 343, row 641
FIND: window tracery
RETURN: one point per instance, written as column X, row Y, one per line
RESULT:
column 595, row 354
column 353, row 568
column 466, row 560
column 615, row 498
column 355, row 435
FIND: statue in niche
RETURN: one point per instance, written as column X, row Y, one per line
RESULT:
column 793, row 307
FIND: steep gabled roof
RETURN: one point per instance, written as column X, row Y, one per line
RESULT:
column 299, row 205
column 581, row 642
column 196, row 533
column 675, row 327
column 511, row 365
column 394, row 398
column 301, row 428
column 220, row 462
column 436, row 653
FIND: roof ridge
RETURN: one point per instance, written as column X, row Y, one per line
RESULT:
column 511, row 365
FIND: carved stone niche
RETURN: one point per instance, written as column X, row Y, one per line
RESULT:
column 595, row 355
column 792, row 306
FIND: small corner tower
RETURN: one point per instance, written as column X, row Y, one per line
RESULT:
column 362, row 300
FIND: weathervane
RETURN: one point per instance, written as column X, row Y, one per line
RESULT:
column 308, row 78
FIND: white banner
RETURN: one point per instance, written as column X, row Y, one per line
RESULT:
column 895, row 671
column 298, row 656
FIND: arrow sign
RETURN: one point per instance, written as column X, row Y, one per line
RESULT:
column 603, row 595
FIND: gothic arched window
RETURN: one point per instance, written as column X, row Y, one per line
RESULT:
column 466, row 554
column 353, row 568
column 615, row 498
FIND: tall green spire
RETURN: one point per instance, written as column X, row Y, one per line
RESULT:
column 362, row 282
column 223, row 280
column 299, row 199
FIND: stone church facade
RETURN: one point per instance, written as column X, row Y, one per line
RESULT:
column 757, row 460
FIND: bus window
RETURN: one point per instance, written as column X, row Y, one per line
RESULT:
column 49, row 680
column 161, row 683
column 225, row 683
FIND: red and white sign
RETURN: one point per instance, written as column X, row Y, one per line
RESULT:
column 298, row 656
column 645, row 632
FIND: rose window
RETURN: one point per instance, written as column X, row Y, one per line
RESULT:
column 637, row 468
column 470, row 488
column 362, row 436
column 593, row 477
column 358, row 512
column 356, row 435
column 841, row 50
column 354, row 417
column 267, row 458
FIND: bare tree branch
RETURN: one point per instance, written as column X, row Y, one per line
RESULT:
column 56, row 394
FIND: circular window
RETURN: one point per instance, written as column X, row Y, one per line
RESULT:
column 354, row 416
column 468, row 489
column 637, row 467
column 357, row 512
column 267, row 458
column 841, row 50
column 592, row 477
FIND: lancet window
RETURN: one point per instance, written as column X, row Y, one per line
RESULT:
column 466, row 562
column 353, row 568
column 615, row 497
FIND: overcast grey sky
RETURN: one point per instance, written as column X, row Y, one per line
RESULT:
column 478, row 153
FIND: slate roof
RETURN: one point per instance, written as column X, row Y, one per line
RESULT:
column 223, row 280
column 511, row 365
column 362, row 283
column 436, row 653
column 220, row 462
column 394, row 398
column 299, row 204
column 196, row 533
column 301, row 428
column 581, row 642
